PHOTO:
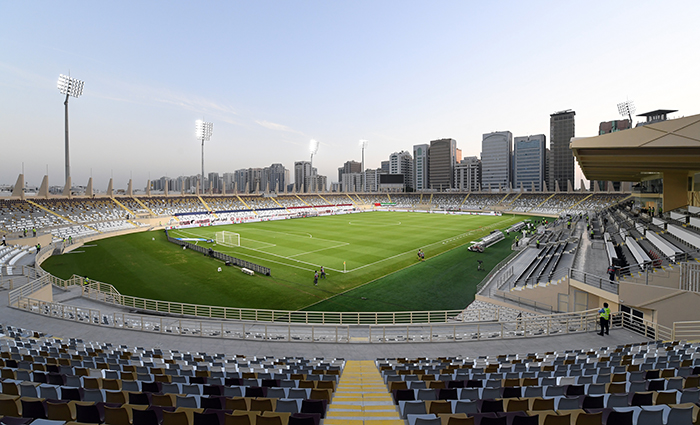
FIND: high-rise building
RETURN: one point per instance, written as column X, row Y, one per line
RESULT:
column 402, row 163
column 372, row 179
column 420, row 167
column 240, row 178
column 255, row 180
column 468, row 174
column 496, row 152
column 277, row 177
column 561, row 129
column 228, row 178
column 352, row 182
column 530, row 162
column 215, row 183
column 441, row 162
column 385, row 166
column 348, row 167
column 302, row 170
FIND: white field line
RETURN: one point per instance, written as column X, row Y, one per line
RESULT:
column 317, row 250
column 493, row 225
column 276, row 255
column 429, row 245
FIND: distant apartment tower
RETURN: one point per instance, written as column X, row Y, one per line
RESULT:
column 347, row 168
column 385, row 167
column 352, row 182
column 256, row 183
column 441, row 162
column 496, row 152
column 402, row 163
column 468, row 174
column 420, row 167
column 530, row 162
column 277, row 177
column 561, row 129
column 240, row 178
column 372, row 179
column 302, row 170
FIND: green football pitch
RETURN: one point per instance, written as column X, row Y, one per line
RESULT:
column 370, row 259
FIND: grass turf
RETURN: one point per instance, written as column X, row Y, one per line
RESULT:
column 377, row 247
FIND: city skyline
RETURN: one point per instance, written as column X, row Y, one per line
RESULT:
column 273, row 76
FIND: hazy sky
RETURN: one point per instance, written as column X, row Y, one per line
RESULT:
column 271, row 75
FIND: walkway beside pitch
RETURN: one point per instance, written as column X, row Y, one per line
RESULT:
column 362, row 398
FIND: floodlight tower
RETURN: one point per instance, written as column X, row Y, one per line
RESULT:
column 363, row 145
column 313, row 148
column 70, row 87
column 203, row 131
column 626, row 108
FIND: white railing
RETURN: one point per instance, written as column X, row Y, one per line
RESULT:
column 690, row 277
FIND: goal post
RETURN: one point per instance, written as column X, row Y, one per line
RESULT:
column 228, row 238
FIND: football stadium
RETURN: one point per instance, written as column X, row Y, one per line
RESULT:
column 544, row 302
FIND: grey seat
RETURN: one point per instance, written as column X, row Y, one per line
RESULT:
column 298, row 393
column 233, row 391
column 417, row 385
column 186, row 401
column 536, row 391
column 27, row 389
column 132, row 386
column 287, row 405
column 617, row 400
column 48, row 391
column 680, row 416
column 651, row 417
column 412, row 407
column 554, row 390
column 427, row 394
column 466, row 406
column 276, row 392
column 192, row 389
column 93, row 395
column 569, row 403
column 469, row 394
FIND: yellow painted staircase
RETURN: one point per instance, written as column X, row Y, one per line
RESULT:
column 362, row 398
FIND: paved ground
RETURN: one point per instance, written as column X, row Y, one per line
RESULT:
column 353, row 351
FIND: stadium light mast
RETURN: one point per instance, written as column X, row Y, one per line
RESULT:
column 313, row 148
column 626, row 109
column 203, row 131
column 363, row 145
column 70, row 87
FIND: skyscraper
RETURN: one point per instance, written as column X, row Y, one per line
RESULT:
column 420, row 166
column 441, row 163
column 302, row 170
column 561, row 129
column 402, row 163
column 496, row 152
column 530, row 162
column 468, row 174
column 348, row 168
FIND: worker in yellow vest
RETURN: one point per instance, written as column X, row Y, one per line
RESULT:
column 604, row 320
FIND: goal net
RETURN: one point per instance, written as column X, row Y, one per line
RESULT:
column 228, row 238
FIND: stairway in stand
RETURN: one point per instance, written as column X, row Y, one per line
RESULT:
column 362, row 398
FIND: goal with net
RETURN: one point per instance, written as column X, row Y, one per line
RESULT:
column 228, row 238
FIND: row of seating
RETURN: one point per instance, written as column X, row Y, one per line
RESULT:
column 55, row 412
column 652, row 415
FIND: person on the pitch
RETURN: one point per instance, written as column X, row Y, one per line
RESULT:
column 316, row 278
column 323, row 273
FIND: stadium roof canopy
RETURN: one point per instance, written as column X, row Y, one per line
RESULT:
column 642, row 153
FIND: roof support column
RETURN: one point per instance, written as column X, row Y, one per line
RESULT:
column 675, row 190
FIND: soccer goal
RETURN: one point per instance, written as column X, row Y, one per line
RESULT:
column 228, row 238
